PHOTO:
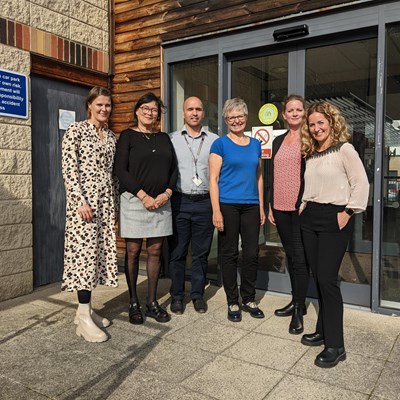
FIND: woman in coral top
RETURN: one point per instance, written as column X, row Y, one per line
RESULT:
column 286, row 192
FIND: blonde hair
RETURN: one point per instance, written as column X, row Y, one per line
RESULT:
column 235, row 104
column 293, row 97
column 339, row 131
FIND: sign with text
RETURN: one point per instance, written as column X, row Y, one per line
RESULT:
column 13, row 94
column 265, row 135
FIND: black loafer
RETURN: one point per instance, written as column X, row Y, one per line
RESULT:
column 330, row 357
column 177, row 307
column 313, row 339
column 234, row 313
column 252, row 308
column 200, row 305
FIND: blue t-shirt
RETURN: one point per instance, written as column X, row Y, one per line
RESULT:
column 238, row 176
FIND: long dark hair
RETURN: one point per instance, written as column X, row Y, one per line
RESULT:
column 148, row 98
column 94, row 93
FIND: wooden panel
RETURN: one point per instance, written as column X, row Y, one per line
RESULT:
column 137, row 55
column 57, row 70
column 133, row 76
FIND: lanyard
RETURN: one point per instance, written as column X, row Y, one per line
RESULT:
column 195, row 159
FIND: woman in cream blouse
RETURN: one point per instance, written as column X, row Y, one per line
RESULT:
column 336, row 187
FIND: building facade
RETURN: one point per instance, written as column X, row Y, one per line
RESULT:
column 344, row 51
column 50, row 42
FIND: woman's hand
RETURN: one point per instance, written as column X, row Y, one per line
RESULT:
column 342, row 219
column 149, row 202
column 262, row 215
column 161, row 200
column 218, row 220
column 85, row 212
column 271, row 218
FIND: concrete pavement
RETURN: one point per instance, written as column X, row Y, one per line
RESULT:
column 194, row 356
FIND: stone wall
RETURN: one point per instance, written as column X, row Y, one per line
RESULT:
column 15, row 191
column 72, row 31
column 83, row 21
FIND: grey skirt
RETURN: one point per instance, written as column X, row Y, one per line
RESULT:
column 136, row 222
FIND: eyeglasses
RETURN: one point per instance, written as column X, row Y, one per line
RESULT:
column 236, row 117
column 147, row 110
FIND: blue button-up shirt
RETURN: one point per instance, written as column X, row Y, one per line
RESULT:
column 186, row 164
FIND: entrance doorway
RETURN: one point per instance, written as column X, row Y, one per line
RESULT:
column 343, row 73
column 48, row 97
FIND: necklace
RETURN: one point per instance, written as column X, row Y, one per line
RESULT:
column 148, row 136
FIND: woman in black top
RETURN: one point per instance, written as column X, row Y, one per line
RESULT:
column 146, row 168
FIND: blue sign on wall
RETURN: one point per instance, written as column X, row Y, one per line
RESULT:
column 13, row 94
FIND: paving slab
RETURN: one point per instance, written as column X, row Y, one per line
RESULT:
column 227, row 378
column 268, row 351
column 297, row 388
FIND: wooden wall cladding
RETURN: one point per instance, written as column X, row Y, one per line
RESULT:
column 142, row 25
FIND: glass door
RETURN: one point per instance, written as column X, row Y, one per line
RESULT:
column 344, row 74
column 390, row 253
column 258, row 81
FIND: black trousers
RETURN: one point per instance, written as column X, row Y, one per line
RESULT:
column 192, row 223
column 243, row 220
column 288, row 225
column 325, row 245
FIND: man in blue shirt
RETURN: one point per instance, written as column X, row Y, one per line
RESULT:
column 191, row 208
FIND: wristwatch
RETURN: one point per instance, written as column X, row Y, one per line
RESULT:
column 349, row 211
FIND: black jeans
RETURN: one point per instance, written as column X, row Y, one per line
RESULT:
column 192, row 222
column 243, row 220
column 325, row 245
column 288, row 225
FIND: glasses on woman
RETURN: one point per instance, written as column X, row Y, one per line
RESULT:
column 236, row 117
column 148, row 110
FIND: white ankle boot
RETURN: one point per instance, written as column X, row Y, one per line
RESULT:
column 86, row 326
column 101, row 322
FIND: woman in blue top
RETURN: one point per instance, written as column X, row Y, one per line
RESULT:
column 237, row 198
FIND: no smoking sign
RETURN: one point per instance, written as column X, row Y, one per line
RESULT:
column 264, row 135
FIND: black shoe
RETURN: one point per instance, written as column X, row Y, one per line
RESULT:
column 296, row 324
column 153, row 310
column 177, row 307
column 135, row 314
column 200, row 305
column 330, row 357
column 251, row 307
column 234, row 313
column 286, row 311
column 313, row 339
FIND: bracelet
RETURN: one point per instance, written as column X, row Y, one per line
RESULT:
column 144, row 197
column 167, row 194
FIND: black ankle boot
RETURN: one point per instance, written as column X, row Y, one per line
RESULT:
column 286, row 311
column 296, row 324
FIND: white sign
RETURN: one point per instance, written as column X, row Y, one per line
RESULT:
column 265, row 135
column 65, row 118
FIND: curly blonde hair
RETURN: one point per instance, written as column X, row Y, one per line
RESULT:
column 339, row 130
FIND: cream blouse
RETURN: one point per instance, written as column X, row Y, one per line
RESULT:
column 336, row 176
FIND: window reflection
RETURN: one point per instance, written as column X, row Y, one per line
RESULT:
column 196, row 78
column 390, row 262
column 345, row 74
